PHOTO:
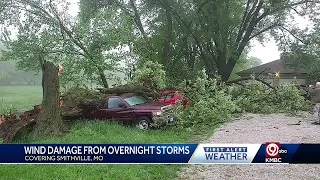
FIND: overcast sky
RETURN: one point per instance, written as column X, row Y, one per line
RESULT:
column 267, row 52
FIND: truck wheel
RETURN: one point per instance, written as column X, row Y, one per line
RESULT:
column 143, row 123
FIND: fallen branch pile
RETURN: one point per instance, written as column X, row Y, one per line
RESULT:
column 74, row 104
column 78, row 101
column 10, row 125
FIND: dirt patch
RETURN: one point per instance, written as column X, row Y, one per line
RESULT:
column 260, row 129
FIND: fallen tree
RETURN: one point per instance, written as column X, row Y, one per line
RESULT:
column 237, row 81
column 77, row 101
column 10, row 124
column 74, row 104
column 139, row 90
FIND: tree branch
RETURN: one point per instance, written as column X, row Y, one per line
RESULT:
column 65, row 52
column 292, row 34
column 137, row 18
column 262, row 31
column 68, row 32
column 249, row 78
column 245, row 20
column 297, row 11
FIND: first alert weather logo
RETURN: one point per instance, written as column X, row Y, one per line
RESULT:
column 226, row 153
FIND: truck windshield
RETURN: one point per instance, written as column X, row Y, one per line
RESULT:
column 135, row 100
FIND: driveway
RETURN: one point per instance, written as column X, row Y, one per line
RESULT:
column 255, row 128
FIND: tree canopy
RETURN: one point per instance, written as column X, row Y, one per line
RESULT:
column 184, row 36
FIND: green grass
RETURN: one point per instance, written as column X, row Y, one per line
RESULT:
column 98, row 132
column 21, row 97
column 88, row 132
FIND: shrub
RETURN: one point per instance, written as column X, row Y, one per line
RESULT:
column 213, row 102
column 290, row 99
column 257, row 98
column 151, row 75
column 208, row 111
column 210, row 104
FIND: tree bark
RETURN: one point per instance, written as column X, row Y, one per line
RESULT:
column 49, row 121
column 137, row 18
column 167, row 42
column 103, row 78
column 248, row 78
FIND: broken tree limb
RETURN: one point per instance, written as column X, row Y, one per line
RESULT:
column 15, row 127
column 139, row 90
column 250, row 78
column 11, row 124
column 77, row 101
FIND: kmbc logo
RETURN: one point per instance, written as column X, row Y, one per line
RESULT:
column 273, row 152
column 272, row 149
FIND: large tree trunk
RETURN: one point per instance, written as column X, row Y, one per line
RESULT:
column 137, row 18
column 228, row 69
column 49, row 121
column 103, row 78
column 167, row 42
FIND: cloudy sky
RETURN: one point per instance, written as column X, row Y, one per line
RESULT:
column 266, row 52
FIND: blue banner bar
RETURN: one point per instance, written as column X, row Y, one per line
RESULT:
column 96, row 153
column 271, row 152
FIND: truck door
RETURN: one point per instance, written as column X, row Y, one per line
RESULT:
column 101, row 113
column 118, row 110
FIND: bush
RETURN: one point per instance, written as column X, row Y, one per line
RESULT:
column 210, row 104
column 290, row 99
column 151, row 75
column 257, row 98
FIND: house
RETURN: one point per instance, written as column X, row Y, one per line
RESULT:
column 277, row 72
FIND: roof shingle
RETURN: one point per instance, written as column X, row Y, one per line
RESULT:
column 273, row 67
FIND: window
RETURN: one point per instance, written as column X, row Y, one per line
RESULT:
column 114, row 103
column 276, row 82
column 167, row 96
column 135, row 100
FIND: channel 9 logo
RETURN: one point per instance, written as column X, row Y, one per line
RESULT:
column 274, row 152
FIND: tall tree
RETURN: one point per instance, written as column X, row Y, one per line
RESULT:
column 304, row 53
column 215, row 32
column 161, row 38
column 106, row 32
column 90, row 41
column 222, row 30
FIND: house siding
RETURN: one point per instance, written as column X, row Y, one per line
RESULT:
column 301, row 79
column 282, row 81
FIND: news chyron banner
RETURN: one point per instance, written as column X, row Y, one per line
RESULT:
column 270, row 152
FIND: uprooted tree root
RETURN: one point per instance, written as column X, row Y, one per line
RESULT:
column 10, row 125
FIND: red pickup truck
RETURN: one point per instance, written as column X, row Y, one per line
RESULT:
column 171, row 96
column 131, row 109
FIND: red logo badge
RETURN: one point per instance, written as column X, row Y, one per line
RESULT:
column 272, row 149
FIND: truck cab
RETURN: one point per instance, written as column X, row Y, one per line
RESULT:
column 130, row 109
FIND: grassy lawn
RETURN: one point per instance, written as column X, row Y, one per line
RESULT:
column 87, row 132
column 21, row 97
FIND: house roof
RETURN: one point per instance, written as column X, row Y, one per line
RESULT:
column 273, row 67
